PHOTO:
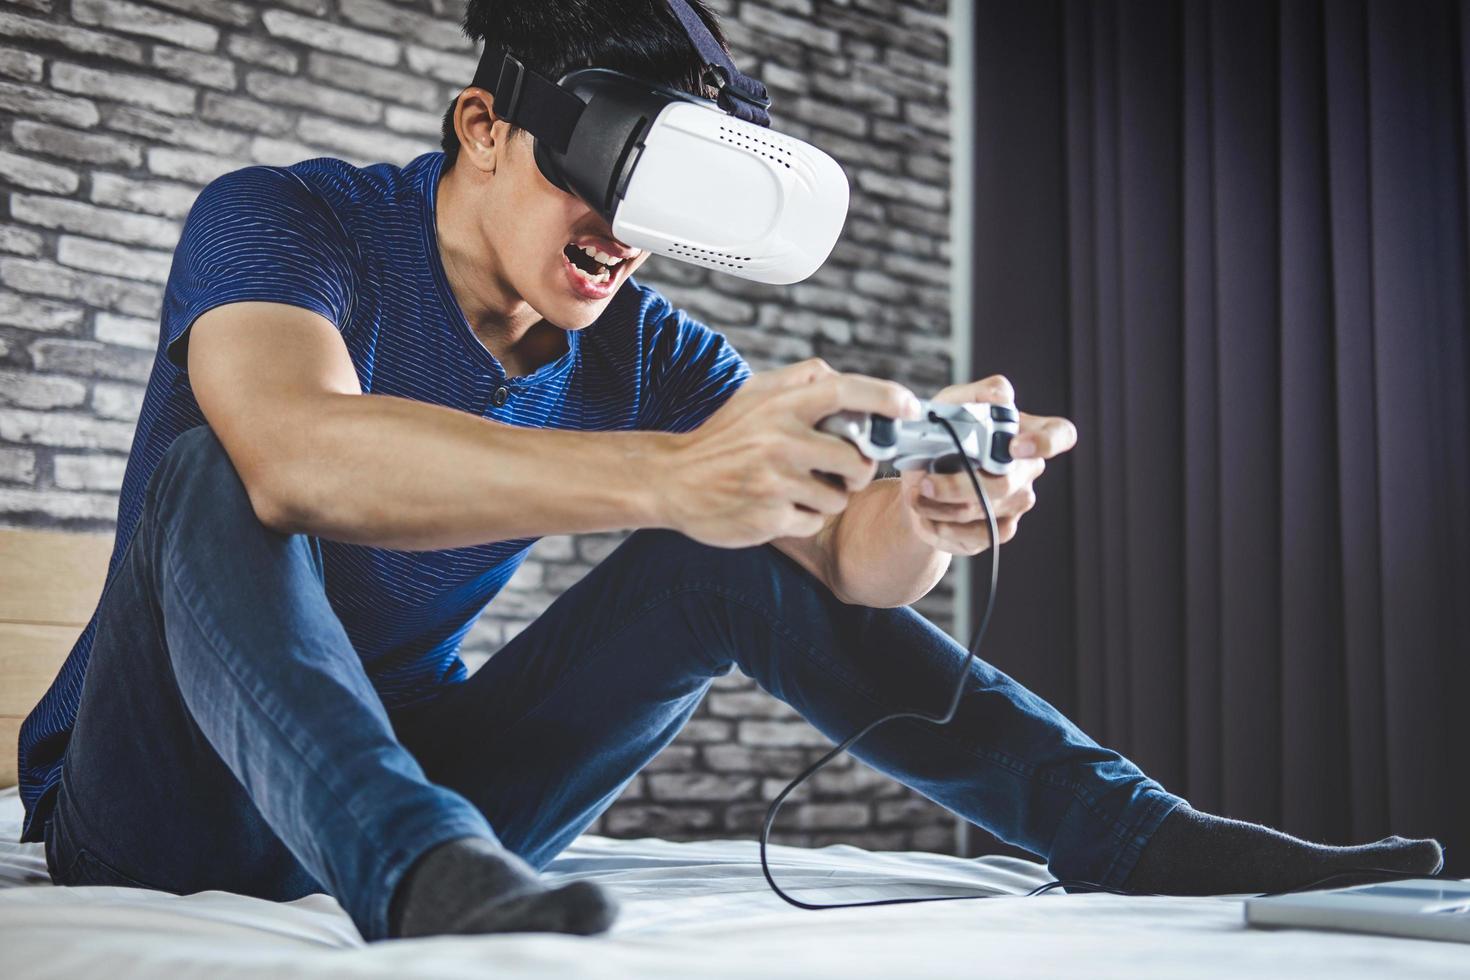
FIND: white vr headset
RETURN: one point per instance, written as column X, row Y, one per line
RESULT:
column 703, row 181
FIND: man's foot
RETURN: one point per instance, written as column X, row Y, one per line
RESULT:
column 473, row 885
column 1194, row 853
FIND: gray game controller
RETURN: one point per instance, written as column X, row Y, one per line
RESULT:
column 985, row 432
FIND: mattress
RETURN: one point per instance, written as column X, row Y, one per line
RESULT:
column 693, row 909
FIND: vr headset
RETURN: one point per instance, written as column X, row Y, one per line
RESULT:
column 700, row 180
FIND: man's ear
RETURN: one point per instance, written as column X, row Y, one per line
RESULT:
column 482, row 134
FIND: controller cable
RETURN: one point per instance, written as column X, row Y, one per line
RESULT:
column 1376, row 874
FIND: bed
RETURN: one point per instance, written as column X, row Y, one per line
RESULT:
column 688, row 908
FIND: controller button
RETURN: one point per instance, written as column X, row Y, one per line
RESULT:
column 1000, row 447
column 1004, row 413
column 883, row 432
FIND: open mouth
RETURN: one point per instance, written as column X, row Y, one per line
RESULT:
column 593, row 264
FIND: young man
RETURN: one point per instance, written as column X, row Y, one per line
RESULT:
column 374, row 389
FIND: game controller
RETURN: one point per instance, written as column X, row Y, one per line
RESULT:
column 985, row 431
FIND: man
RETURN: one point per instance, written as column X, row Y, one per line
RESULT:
column 374, row 389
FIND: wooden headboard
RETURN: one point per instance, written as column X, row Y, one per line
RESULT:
column 49, row 585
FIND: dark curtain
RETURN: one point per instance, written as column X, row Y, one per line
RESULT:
column 1229, row 240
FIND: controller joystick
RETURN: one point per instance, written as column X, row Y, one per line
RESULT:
column 985, row 431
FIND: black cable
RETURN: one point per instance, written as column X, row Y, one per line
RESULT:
column 943, row 719
column 1071, row 885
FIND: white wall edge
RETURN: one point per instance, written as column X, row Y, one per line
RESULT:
column 961, row 283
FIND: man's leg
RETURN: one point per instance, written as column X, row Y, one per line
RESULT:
column 227, row 736
column 544, row 736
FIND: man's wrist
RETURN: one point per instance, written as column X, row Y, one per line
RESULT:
column 653, row 476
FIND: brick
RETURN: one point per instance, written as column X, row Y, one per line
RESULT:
column 20, row 241
column 403, row 120
column 362, row 142
column 126, row 331
column 280, row 153
column 353, row 75
column 17, row 465
column 208, row 70
column 116, row 260
column 673, row 758
column 308, row 95
column 75, row 38
column 27, row 100
column 780, row 734
column 91, row 359
column 136, row 89
column 172, row 129
column 132, row 18
column 64, row 429
column 903, row 189
column 224, row 11
column 40, row 6
column 395, row 20
column 656, row 821
column 247, row 114
column 706, row 731
column 106, row 292
column 556, row 547
column 37, row 174
column 117, row 401
column 116, row 226
column 40, row 391
column 165, row 198
column 41, row 315
column 456, row 69
column 256, row 51
column 699, row 786
column 60, row 506
column 196, row 168
column 721, row 310
column 331, row 37
column 94, row 148
column 593, row 548
column 75, row 472
column 22, row 65
column 826, row 114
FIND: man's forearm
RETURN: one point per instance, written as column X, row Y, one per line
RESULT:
column 395, row 473
column 877, row 558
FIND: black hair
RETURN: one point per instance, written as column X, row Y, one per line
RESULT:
column 642, row 38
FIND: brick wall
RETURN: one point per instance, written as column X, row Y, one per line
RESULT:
column 113, row 113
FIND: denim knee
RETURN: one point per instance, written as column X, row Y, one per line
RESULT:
column 197, row 475
column 678, row 558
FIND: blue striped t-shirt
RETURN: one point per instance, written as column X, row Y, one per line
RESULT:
column 359, row 247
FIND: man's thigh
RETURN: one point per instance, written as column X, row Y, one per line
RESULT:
column 144, row 798
column 546, row 735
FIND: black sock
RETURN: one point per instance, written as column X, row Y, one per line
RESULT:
column 473, row 885
column 1194, row 853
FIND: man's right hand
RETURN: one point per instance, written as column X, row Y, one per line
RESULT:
column 752, row 472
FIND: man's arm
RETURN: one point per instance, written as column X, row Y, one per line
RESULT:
column 317, row 456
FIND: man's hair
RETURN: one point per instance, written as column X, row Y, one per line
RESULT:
column 642, row 38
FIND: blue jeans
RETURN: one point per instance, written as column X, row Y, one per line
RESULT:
column 229, row 738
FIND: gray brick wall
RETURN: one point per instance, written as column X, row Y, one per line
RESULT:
column 113, row 113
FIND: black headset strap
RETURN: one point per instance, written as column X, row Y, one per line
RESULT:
column 527, row 99
column 740, row 95
column 550, row 113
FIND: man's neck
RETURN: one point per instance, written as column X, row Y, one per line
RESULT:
column 506, row 324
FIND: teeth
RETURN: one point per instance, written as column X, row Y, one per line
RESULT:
column 600, row 255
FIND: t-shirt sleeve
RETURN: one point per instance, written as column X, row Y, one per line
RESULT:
column 689, row 372
column 258, row 234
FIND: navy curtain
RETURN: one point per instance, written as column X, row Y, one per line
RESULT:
column 1229, row 239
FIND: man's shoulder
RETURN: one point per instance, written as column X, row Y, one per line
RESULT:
column 326, row 182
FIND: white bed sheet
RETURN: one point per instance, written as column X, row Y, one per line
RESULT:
column 692, row 910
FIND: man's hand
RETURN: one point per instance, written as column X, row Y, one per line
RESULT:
column 752, row 472
column 947, row 514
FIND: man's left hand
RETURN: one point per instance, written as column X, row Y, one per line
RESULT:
column 946, row 513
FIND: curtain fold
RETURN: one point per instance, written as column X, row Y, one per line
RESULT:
column 1251, row 218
